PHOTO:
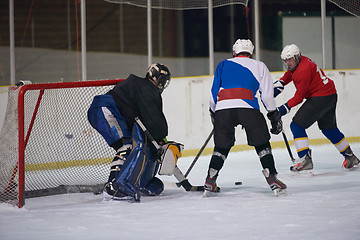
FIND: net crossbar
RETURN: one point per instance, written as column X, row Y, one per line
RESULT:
column 179, row 4
column 47, row 145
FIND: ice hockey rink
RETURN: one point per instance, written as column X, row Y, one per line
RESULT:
column 322, row 206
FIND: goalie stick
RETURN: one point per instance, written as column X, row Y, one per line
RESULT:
column 287, row 146
column 197, row 156
column 177, row 172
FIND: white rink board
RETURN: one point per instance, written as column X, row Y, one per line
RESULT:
column 186, row 103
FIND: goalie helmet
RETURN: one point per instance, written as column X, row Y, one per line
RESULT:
column 243, row 45
column 160, row 75
column 291, row 51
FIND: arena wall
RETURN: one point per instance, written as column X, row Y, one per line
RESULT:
column 186, row 108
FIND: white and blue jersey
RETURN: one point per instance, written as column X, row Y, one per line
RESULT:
column 236, row 82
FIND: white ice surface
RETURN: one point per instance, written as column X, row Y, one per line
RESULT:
column 323, row 206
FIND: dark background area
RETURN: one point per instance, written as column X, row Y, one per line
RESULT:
column 50, row 24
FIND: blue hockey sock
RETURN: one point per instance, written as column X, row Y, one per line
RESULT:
column 336, row 138
column 301, row 139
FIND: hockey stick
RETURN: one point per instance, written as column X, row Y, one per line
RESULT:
column 198, row 155
column 287, row 146
column 177, row 172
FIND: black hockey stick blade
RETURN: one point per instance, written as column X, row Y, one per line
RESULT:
column 188, row 187
column 197, row 156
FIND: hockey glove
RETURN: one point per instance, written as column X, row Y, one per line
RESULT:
column 276, row 123
column 212, row 116
column 278, row 87
column 284, row 109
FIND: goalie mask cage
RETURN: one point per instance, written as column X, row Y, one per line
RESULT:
column 47, row 140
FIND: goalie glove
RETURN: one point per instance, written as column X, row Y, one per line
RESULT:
column 170, row 154
column 278, row 87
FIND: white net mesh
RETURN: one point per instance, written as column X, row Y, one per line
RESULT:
column 63, row 154
column 9, row 150
column 179, row 4
column 350, row 6
column 62, row 143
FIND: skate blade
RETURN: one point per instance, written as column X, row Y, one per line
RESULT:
column 206, row 193
column 355, row 167
column 352, row 168
column 303, row 172
column 107, row 197
column 280, row 192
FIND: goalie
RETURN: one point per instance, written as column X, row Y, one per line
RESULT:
column 136, row 161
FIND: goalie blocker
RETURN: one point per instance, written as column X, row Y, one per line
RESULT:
column 169, row 157
column 170, row 154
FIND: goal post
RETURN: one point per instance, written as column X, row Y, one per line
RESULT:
column 47, row 145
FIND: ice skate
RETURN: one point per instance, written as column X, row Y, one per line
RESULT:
column 209, row 189
column 109, row 193
column 277, row 186
column 210, row 184
column 303, row 165
column 351, row 161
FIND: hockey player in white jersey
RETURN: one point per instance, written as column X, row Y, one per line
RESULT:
column 233, row 102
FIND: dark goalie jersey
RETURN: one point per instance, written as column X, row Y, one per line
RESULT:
column 138, row 97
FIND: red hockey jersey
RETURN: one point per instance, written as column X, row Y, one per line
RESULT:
column 309, row 81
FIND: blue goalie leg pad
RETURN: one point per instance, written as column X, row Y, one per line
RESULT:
column 153, row 188
column 151, row 168
column 127, row 179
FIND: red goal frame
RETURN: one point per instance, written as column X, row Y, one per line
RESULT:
column 23, row 138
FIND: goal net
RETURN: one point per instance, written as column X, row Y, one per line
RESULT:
column 350, row 6
column 47, row 145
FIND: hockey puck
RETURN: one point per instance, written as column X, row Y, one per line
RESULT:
column 238, row 183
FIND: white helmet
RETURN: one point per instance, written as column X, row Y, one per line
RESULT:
column 243, row 45
column 290, row 51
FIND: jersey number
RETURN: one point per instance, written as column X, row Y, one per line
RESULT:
column 322, row 76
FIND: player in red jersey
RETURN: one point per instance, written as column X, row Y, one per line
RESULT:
column 319, row 91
